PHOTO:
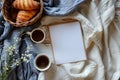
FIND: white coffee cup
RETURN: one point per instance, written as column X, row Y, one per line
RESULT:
column 40, row 35
column 37, row 35
column 42, row 62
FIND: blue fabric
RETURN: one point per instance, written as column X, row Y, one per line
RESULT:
column 20, row 42
column 14, row 41
column 60, row 7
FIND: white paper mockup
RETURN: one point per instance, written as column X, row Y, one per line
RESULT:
column 67, row 42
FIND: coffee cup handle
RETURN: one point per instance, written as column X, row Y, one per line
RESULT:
column 28, row 33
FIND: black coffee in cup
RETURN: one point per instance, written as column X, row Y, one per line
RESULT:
column 42, row 62
column 38, row 35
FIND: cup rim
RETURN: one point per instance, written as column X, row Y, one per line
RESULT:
column 40, row 40
column 42, row 69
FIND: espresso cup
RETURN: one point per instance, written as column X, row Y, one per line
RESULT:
column 37, row 35
column 42, row 62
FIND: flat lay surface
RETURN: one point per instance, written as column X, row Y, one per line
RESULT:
column 100, row 27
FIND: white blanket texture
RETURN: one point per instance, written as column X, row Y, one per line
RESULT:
column 100, row 24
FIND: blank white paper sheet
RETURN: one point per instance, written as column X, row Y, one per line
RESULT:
column 67, row 42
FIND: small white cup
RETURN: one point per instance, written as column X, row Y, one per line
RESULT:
column 42, row 62
column 40, row 35
column 37, row 35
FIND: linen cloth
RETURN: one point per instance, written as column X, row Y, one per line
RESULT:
column 101, row 34
column 60, row 7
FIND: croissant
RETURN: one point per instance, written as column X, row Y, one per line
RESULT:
column 23, row 15
column 26, row 4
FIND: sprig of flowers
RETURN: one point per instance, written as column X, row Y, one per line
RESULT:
column 12, row 61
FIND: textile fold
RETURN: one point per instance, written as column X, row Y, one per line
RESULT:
column 100, row 25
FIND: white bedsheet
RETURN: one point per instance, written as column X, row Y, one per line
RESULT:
column 100, row 24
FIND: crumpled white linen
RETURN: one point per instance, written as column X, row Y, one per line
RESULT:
column 100, row 25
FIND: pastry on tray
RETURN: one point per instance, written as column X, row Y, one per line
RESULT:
column 26, row 4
